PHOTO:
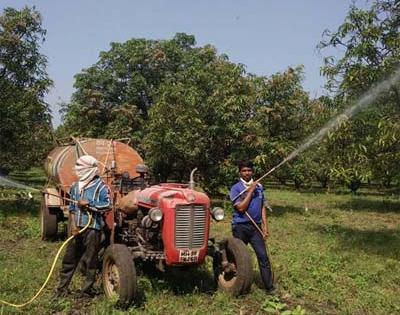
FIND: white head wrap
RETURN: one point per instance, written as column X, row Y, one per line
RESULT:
column 86, row 169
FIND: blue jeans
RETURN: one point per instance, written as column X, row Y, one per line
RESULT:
column 249, row 234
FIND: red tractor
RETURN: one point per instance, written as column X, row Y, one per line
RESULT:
column 166, row 224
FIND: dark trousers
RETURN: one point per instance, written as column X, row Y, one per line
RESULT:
column 83, row 248
column 249, row 234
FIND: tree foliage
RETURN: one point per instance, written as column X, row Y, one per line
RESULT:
column 371, row 42
column 24, row 116
column 185, row 106
column 116, row 93
column 282, row 119
column 199, row 120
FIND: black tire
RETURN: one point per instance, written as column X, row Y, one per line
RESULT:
column 119, row 275
column 237, row 282
column 48, row 223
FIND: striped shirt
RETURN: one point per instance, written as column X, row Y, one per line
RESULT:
column 98, row 195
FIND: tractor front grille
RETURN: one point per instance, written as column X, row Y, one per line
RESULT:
column 190, row 226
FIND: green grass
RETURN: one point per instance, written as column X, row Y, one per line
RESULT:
column 332, row 254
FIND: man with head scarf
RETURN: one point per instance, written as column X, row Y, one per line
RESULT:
column 90, row 192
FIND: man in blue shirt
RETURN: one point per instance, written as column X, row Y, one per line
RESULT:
column 88, row 191
column 252, row 201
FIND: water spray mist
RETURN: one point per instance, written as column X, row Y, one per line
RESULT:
column 365, row 100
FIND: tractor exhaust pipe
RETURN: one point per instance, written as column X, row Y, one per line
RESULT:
column 192, row 183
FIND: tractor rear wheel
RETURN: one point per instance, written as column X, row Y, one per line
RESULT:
column 48, row 222
column 235, row 274
column 119, row 274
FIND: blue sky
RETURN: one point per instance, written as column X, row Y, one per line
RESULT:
column 266, row 36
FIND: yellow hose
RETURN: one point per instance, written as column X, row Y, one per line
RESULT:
column 51, row 269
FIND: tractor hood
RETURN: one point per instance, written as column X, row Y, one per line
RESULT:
column 171, row 195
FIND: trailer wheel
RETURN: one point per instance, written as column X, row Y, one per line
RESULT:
column 119, row 274
column 48, row 222
column 235, row 275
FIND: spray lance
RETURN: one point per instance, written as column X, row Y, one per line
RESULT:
column 364, row 101
column 92, row 209
column 313, row 138
column 287, row 159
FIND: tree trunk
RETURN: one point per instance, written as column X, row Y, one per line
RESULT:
column 354, row 185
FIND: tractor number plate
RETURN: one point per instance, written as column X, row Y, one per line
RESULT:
column 188, row 256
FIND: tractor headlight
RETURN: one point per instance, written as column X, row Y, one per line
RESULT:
column 155, row 214
column 218, row 213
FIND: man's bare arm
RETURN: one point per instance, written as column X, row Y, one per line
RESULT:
column 244, row 204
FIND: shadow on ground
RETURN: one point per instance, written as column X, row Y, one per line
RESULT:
column 380, row 206
column 383, row 242
column 181, row 280
column 282, row 210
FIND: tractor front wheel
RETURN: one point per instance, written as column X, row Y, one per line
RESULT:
column 119, row 274
column 233, row 268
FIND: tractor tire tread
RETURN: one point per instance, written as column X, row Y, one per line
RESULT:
column 123, row 260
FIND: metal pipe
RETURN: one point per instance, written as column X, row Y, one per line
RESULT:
column 192, row 183
column 65, row 198
column 265, row 175
column 70, row 200
column 265, row 243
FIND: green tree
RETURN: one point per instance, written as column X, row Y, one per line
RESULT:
column 283, row 118
column 371, row 42
column 186, row 106
column 320, row 158
column 385, row 151
column 350, row 162
column 200, row 120
column 24, row 116
column 116, row 93
column 183, row 106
